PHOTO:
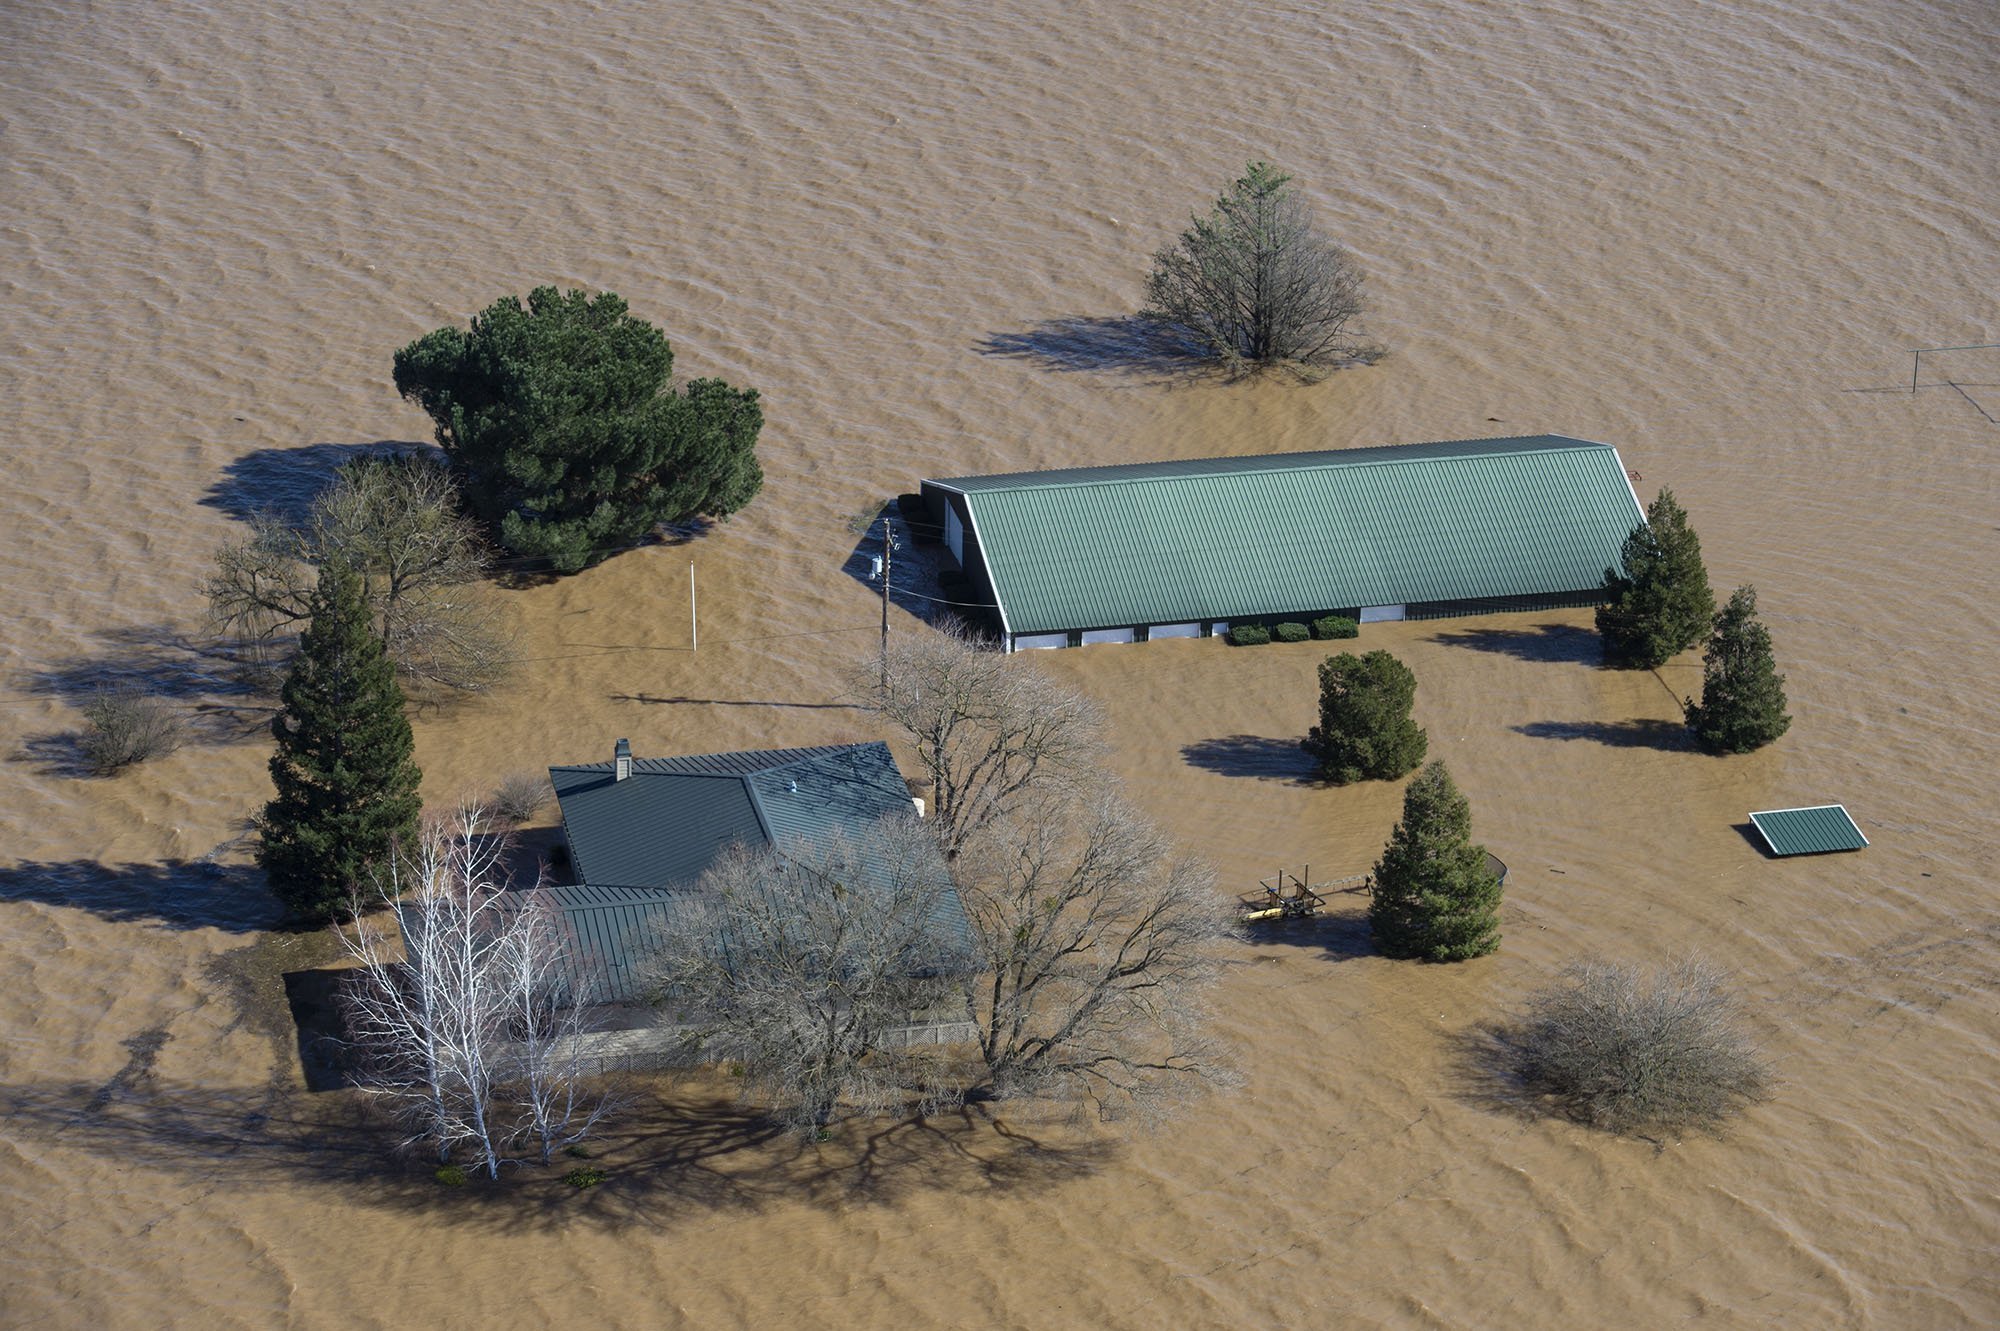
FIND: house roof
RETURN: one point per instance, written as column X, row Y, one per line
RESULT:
column 1809, row 831
column 1286, row 533
column 639, row 845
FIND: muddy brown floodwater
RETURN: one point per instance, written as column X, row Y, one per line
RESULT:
column 1705, row 234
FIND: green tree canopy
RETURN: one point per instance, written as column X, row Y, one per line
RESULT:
column 1435, row 897
column 571, row 441
column 1365, row 731
column 1742, row 703
column 345, row 777
column 1657, row 602
column 1256, row 281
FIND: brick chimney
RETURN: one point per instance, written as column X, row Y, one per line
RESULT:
column 621, row 758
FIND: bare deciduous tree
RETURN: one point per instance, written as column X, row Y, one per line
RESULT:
column 127, row 726
column 989, row 729
column 1255, row 281
column 797, row 961
column 469, row 1035
column 1098, row 945
column 398, row 522
column 1625, row 1050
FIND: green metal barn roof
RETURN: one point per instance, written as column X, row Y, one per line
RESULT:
column 641, row 844
column 1222, row 538
column 1813, row 831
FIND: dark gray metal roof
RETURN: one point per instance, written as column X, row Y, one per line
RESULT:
column 1811, row 831
column 640, row 845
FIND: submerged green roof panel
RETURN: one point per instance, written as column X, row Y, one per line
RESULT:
column 1813, row 831
column 1222, row 538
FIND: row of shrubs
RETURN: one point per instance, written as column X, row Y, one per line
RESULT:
column 1329, row 627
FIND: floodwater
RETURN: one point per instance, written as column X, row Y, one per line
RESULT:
column 1705, row 234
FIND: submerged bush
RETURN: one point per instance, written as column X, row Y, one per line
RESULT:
column 585, row 1178
column 1618, row 1048
column 452, row 1176
column 1290, row 633
column 1335, row 626
column 1249, row 635
column 126, row 727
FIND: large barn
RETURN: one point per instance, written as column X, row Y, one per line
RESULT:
column 1186, row 549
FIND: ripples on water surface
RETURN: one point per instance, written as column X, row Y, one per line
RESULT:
column 1698, row 232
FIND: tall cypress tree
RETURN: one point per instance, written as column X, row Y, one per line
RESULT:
column 1742, row 703
column 1658, row 601
column 1435, row 896
column 346, row 782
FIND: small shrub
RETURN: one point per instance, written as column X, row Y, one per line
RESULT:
column 452, row 1176
column 1249, row 635
column 127, row 727
column 577, row 1152
column 1290, row 633
column 585, row 1178
column 1335, row 626
column 1616, row 1048
column 520, row 797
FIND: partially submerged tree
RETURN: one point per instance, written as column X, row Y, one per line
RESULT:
column 798, row 963
column 127, row 726
column 1629, row 1051
column 1097, row 946
column 1657, row 602
column 1365, row 730
column 1434, row 896
column 1742, row 703
column 989, row 729
column 397, row 521
column 469, row 1034
column 1255, row 281
column 560, row 418
column 344, row 769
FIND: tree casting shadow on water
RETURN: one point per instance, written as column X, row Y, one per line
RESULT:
column 280, row 483
column 666, row 1161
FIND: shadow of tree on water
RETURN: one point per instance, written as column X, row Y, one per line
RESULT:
column 667, row 1160
column 279, row 483
column 1536, row 642
column 177, row 894
column 1262, row 757
column 1119, row 344
column 1637, row 733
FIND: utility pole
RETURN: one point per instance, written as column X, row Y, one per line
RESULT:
column 888, row 547
column 694, row 621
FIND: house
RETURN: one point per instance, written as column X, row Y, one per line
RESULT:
column 642, row 831
column 1186, row 549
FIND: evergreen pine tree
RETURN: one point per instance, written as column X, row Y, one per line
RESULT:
column 1658, row 601
column 346, row 784
column 1742, row 694
column 1365, row 730
column 561, row 419
column 1435, row 896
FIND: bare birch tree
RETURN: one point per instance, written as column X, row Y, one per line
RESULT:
column 798, row 961
column 989, row 729
column 1097, row 948
column 398, row 522
column 469, row 1036
column 1255, row 281
column 556, row 1106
